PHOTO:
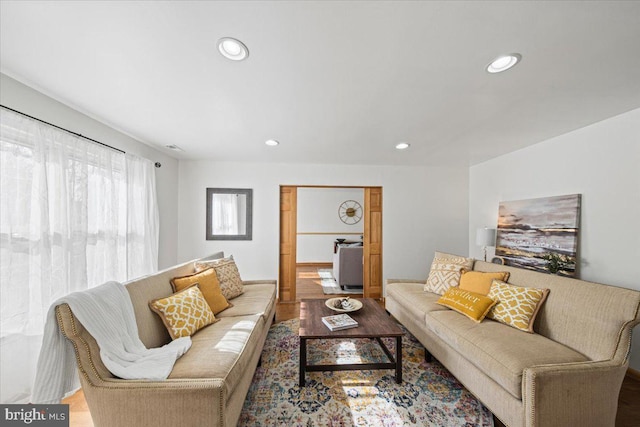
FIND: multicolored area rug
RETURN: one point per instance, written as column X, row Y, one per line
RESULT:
column 428, row 396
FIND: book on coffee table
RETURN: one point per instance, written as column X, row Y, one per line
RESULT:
column 339, row 321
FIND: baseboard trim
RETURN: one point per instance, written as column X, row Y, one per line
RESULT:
column 315, row 264
column 633, row 374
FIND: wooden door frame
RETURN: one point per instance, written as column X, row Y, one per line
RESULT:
column 288, row 236
column 372, row 266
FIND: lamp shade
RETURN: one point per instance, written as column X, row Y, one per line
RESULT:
column 486, row 237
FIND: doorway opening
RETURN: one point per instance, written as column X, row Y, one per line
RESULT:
column 330, row 242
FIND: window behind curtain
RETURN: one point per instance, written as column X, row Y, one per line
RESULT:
column 73, row 215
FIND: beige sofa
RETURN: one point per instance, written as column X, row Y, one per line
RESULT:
column 208, row 384
column 568, row 373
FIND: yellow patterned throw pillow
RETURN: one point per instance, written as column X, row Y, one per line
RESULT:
column 474, row 306
column 184, row 313
column 479, row 281
column 445, row 272
column 209, row 285
column 228, row 275
column 516, row 306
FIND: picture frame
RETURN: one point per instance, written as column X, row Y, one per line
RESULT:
column 229, row 214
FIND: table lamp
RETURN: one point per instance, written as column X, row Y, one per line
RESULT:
column 485, row 237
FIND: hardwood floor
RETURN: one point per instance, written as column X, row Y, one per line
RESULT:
column 79, row 415
column 308, row 286
column 308, row 283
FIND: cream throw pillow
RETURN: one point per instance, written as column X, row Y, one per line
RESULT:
column 445, row 272
column 516, row 306
column 184, row 313
column 227, row 273
column 203, row 264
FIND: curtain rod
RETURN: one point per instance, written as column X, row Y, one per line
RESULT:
column 63, row 129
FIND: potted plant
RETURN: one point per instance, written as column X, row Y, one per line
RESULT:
column 556, row 262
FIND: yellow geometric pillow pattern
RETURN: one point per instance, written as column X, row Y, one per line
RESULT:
column 516, row 306
column 479, row 281
column 445, row 273
column 471, row 304
column 184, row 313
column 209, row 285
column 228, row 275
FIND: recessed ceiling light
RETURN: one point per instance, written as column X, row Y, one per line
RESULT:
column 402, row 146
column 503, row 63
column 173, row 147
column 271, row 142
column 232, row 49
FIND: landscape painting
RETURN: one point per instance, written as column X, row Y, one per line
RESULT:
column 540, row 234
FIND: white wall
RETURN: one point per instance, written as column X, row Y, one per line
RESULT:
column 424, row 209
column 601, row 162
column 318, row 213
column 14, row 94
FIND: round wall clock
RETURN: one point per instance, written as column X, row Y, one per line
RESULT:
column 350, row 212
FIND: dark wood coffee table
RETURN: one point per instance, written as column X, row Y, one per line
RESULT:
column 373, row 322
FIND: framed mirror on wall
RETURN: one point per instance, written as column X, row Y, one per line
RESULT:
column 229, row 213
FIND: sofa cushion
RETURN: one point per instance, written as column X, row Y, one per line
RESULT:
column 586, row 316
column 497, row 349
column 257, row 298
column 152, row 332
column 222, row 350
column 414, row 299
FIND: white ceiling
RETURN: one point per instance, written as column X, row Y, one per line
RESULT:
column 334, row 82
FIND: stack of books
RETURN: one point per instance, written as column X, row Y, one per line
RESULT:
column 339, row 321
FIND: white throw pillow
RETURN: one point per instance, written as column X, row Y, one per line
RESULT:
column 445, row 272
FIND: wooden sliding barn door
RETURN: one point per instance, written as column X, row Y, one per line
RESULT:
column 372, row 263
column 288, row 240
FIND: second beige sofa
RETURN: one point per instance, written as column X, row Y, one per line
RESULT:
column 568, row 373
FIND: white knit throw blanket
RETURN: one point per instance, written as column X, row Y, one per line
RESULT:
column 107, row 314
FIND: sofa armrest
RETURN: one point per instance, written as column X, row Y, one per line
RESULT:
column 390, row 281
column 584, row 393
column 184, row 402
column 259, row 282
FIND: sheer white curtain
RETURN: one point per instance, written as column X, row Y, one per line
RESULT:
column 73, row 214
